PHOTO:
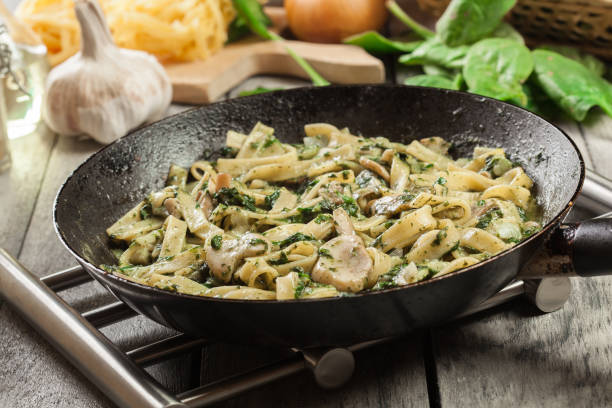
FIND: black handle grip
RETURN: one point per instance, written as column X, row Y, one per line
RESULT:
column 591, row 247
column 583, row 249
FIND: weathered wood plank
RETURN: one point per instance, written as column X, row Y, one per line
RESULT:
column 597, row 132
column 515, row 357
column 20, row 186
column 390, row 375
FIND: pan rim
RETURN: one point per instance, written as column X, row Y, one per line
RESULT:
column 554, row 221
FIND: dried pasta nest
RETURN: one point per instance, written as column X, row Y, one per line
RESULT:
column 172, row 30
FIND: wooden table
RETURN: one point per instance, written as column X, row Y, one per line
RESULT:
column 510, row 356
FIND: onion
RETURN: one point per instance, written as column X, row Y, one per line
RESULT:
column 331, row 21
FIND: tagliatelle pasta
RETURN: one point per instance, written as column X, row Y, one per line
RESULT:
column 172, row 30
column 335, row 215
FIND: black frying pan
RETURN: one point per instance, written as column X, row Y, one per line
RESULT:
column 113, row 180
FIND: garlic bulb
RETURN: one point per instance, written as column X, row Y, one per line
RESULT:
column 104, row 91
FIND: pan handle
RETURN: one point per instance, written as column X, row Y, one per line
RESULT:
column 581, row 249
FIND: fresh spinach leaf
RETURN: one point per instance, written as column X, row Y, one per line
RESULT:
column 430, row 69
column 239, row 29
column 434, row 81
column 434, row 51
column 571, row 85
column 467, row 21
column 258, row 90
column 397, row 11
column 505, row 30
column 589, row 61
column 374, row 43
column 251, row 12
column 538, row 102
column 458, row 81
column 497, row 67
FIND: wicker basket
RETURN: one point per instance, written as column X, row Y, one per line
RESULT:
column 586, row 24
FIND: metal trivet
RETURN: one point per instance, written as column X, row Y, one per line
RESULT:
column 120, row 375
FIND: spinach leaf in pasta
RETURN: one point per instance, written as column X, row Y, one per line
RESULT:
column 231, row 196
column 298, row 236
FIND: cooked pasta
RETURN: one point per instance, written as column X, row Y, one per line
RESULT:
column 336, row 215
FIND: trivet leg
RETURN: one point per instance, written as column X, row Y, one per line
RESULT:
column 86, row 348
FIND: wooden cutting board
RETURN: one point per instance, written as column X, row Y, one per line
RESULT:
column 205, row 81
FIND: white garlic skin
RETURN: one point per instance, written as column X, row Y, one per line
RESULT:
column 104, row 91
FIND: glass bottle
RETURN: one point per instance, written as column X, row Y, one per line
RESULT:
column 5, row 157
column 5, row 69
column 24, row 87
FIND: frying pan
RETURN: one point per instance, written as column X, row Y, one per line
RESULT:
column 114, row 179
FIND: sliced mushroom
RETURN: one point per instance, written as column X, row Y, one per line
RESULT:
column 225, row 260
column 343, row 261
column 204, row 199
column 333, row 192
column 172, row 207
column 391, row 204
column 223, row 181
column 375, row 167
column 387, row 155
column 158, row 198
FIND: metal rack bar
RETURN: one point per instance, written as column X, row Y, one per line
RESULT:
column 596, row 194
column 230, row 387
column 109, row 314
column 165, row 349
column 85, row 347
column 66, row 279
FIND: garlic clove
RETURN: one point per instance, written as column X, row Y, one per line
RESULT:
column 104, row 91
